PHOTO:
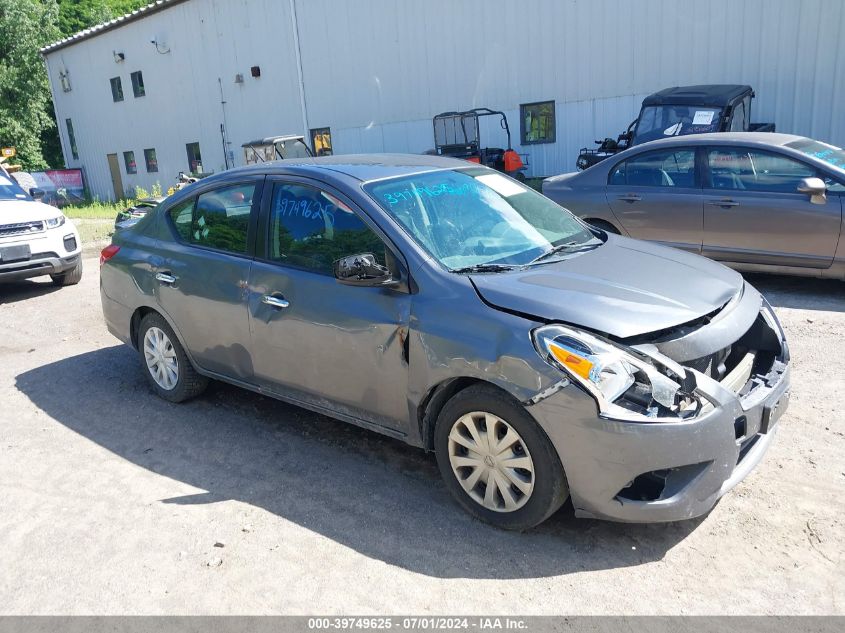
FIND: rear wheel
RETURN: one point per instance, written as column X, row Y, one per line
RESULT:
column 496, row 461
column 168, row 369
column 70, row 277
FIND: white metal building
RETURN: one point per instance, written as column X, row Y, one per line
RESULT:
column 375, row 72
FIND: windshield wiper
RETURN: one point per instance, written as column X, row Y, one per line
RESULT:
column 483, row 268
column 567, row 247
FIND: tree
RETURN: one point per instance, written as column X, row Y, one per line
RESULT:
column 76, row 15
column 26, row 110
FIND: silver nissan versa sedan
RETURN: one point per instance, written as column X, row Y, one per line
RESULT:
column 447, row 305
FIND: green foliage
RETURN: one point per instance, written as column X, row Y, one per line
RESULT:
column 77, row 15
column 156, row 190
column 140, row 193
column 26, row 110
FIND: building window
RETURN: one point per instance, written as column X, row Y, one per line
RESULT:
column 116, row 89
column 150, row 159
column 321, row 141
column 71, row 139
column 137, row 84
column 537, row 122
column 129, row 160
column 194, row 158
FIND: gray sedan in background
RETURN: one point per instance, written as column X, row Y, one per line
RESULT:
column 755, row 201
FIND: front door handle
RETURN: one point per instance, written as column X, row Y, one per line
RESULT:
column 165, row 278
column 725, row 204
column 630, row 197
column 276, row 302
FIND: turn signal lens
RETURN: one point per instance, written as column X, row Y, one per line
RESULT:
column 108, row 252
column 577, row 364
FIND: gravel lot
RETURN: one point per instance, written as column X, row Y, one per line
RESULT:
column 113, row 501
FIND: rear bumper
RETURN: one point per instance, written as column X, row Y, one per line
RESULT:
column 655, row 472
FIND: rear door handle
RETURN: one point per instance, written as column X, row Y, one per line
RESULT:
column 276, row 302
column 165, row 278
column 725, row 204
column 631, row 197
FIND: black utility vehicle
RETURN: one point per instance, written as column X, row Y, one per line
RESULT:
column 457, row 135
column 682, row 110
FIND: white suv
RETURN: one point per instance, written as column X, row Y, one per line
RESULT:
column 35, row 238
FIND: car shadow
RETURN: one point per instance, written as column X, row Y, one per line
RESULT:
column 14, row 291
column 801, row 293
column 368, row 492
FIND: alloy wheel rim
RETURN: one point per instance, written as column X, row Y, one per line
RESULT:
column 491, row 462
column 161, row 358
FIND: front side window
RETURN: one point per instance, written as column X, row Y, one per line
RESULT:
column 670, row 168
column 475, row 216
column 137, row 84
column 71, row 139
column 753, row 170
column 129, row 161
column 675, row 120
column 150, row 160
column 218, row 219
column 116, row 89
column 537, row 122
column 310, row 229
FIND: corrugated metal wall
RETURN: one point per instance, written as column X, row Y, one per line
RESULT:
column 376, row 71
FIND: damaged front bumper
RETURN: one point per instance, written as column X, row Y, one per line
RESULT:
column 668, row 470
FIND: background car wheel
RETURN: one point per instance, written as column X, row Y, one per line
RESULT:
column 496, row 461
column 607, row 227
column 71, row 277
column 165, row 363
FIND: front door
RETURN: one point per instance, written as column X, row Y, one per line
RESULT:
column 116, row 180
column 314, row 340
column 753, row 212
column 655, row 197
column 202, row 275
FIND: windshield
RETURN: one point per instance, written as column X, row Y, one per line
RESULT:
column 473, row 217
column 10, row 190
column 675, row 120
column 828, row 153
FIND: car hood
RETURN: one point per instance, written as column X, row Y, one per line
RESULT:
column 623, row 288
column 15, row 211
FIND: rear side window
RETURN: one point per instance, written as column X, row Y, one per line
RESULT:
column 310, row 229
column 217, row 219
column 671, row 168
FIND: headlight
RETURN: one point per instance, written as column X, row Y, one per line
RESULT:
column 625, row 384
column 52, row 223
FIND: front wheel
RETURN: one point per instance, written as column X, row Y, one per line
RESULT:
column 70, row 277
column 496, row 461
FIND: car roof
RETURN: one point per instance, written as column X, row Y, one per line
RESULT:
column 724, row 138
column 363, row 167
column 704, row 95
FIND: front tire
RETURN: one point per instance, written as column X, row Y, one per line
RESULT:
column 70, row 277
column 496, row 460
column 166, row 365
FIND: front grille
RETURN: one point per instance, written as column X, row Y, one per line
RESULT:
column 21, row 228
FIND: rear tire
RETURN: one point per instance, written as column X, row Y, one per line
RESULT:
column 70, row 277
column 166, row 365
column 512, row 451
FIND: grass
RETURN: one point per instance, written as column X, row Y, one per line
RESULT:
column 96, row 210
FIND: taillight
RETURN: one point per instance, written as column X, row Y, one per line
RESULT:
column 108, row 252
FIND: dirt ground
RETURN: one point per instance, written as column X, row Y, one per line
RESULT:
column 113, row 501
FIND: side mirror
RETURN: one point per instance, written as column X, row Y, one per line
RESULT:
column 362, row 270
column 36, row 193
column 815, row 188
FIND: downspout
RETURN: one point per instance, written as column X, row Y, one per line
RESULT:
column 223, row 126
column 298, row 55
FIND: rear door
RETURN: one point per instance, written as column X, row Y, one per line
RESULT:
column 314, row 340
column 202, row 275
column 753, row 212
column 656, row 197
